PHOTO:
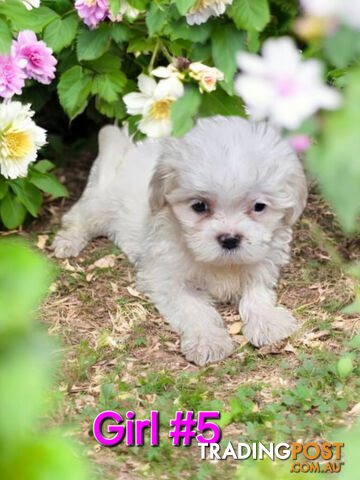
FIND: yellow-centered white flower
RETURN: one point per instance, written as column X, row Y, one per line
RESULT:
column 153, row 102
column 206, row 76
column 20, row 139
column 204, row 9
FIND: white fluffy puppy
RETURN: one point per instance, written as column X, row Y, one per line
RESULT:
column 204, row 217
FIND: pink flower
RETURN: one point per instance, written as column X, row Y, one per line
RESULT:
column 34, row 57
column 300, row 142
column 92, row 11
column 12, row 78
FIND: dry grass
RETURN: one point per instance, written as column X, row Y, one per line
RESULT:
column 112, row 334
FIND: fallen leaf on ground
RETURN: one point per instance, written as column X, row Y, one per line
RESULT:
column 240, row 339
column 70, row 268
column 316, row 335
column 105, row 262
column 133, row 292
column 289, row 348
column 235, row 328
column 355, row 409
column 41, row 241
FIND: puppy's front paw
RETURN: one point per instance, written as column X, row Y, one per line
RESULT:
column 274, row 325
column 207, row 346
column 68, row 243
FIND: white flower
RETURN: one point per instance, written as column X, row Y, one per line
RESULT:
column 281, row 86
column 29, row 4
column 346, row 11
column 20, row 139
column 206, row 76
column 128, row 10
column 125, row 10
column 168, row 72
column 153, row 103
column 204, row 9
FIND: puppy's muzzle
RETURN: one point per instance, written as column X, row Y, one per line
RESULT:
column 229, row 241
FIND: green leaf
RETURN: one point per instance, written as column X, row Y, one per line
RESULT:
column 183, row 110
column 21, row 19
column 342, row 47
column 92, row 44
column 195, row 33
column 105, row 64
column 5, row 38
column 4, row 186
column 115, row 6
column 27, row 194
column 226, row 42
column 110, row 80
column 112, row 110
column 155, row 18
column 250, row 14
column 345, row 366
column 142, row 44
column 60, row 6
column 109, row 85
column 74, row 88
column 334, row 161
column 253, row 41
column 48, row 183
column 201, row 53
column 120, row 32
column 43, row 166
column 184, row 5
column 139, row 4
column 220, row 103
column 61, row 32
column 12, row 212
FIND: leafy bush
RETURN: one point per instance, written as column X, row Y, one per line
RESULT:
column 27, row 450
column 183, row 55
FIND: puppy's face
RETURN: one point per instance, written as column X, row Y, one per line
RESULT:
column 226, row 231
column 230, row 185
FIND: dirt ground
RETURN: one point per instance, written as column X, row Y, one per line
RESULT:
column 119, row 354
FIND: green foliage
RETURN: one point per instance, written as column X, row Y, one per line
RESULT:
column 225, row 44
column 183, row 110
column 250, row 14
column 5, row 37
column 334, row 161
column 92, row 44
column 74, row 88
column 184, row 5
column 23, row 195
column 60, row 33
column 26, row 370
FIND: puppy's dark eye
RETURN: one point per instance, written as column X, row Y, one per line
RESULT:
column 200, row 207
column 259, row 207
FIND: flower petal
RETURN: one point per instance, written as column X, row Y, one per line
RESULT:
column 146, row 84
column 135, row 102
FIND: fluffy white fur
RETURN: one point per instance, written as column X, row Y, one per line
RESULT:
column 141, row 196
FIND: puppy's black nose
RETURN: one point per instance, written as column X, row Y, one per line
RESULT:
column 229, row 241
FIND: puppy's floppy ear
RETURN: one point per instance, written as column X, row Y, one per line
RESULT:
column 297, row 190
column 164, row 179
column 163, row 182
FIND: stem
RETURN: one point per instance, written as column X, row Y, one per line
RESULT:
column 167, row 54
column 154, row 55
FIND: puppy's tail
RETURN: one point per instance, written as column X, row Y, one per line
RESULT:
column 114, row 143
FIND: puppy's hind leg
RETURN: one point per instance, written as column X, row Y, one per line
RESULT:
column 90, row 216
